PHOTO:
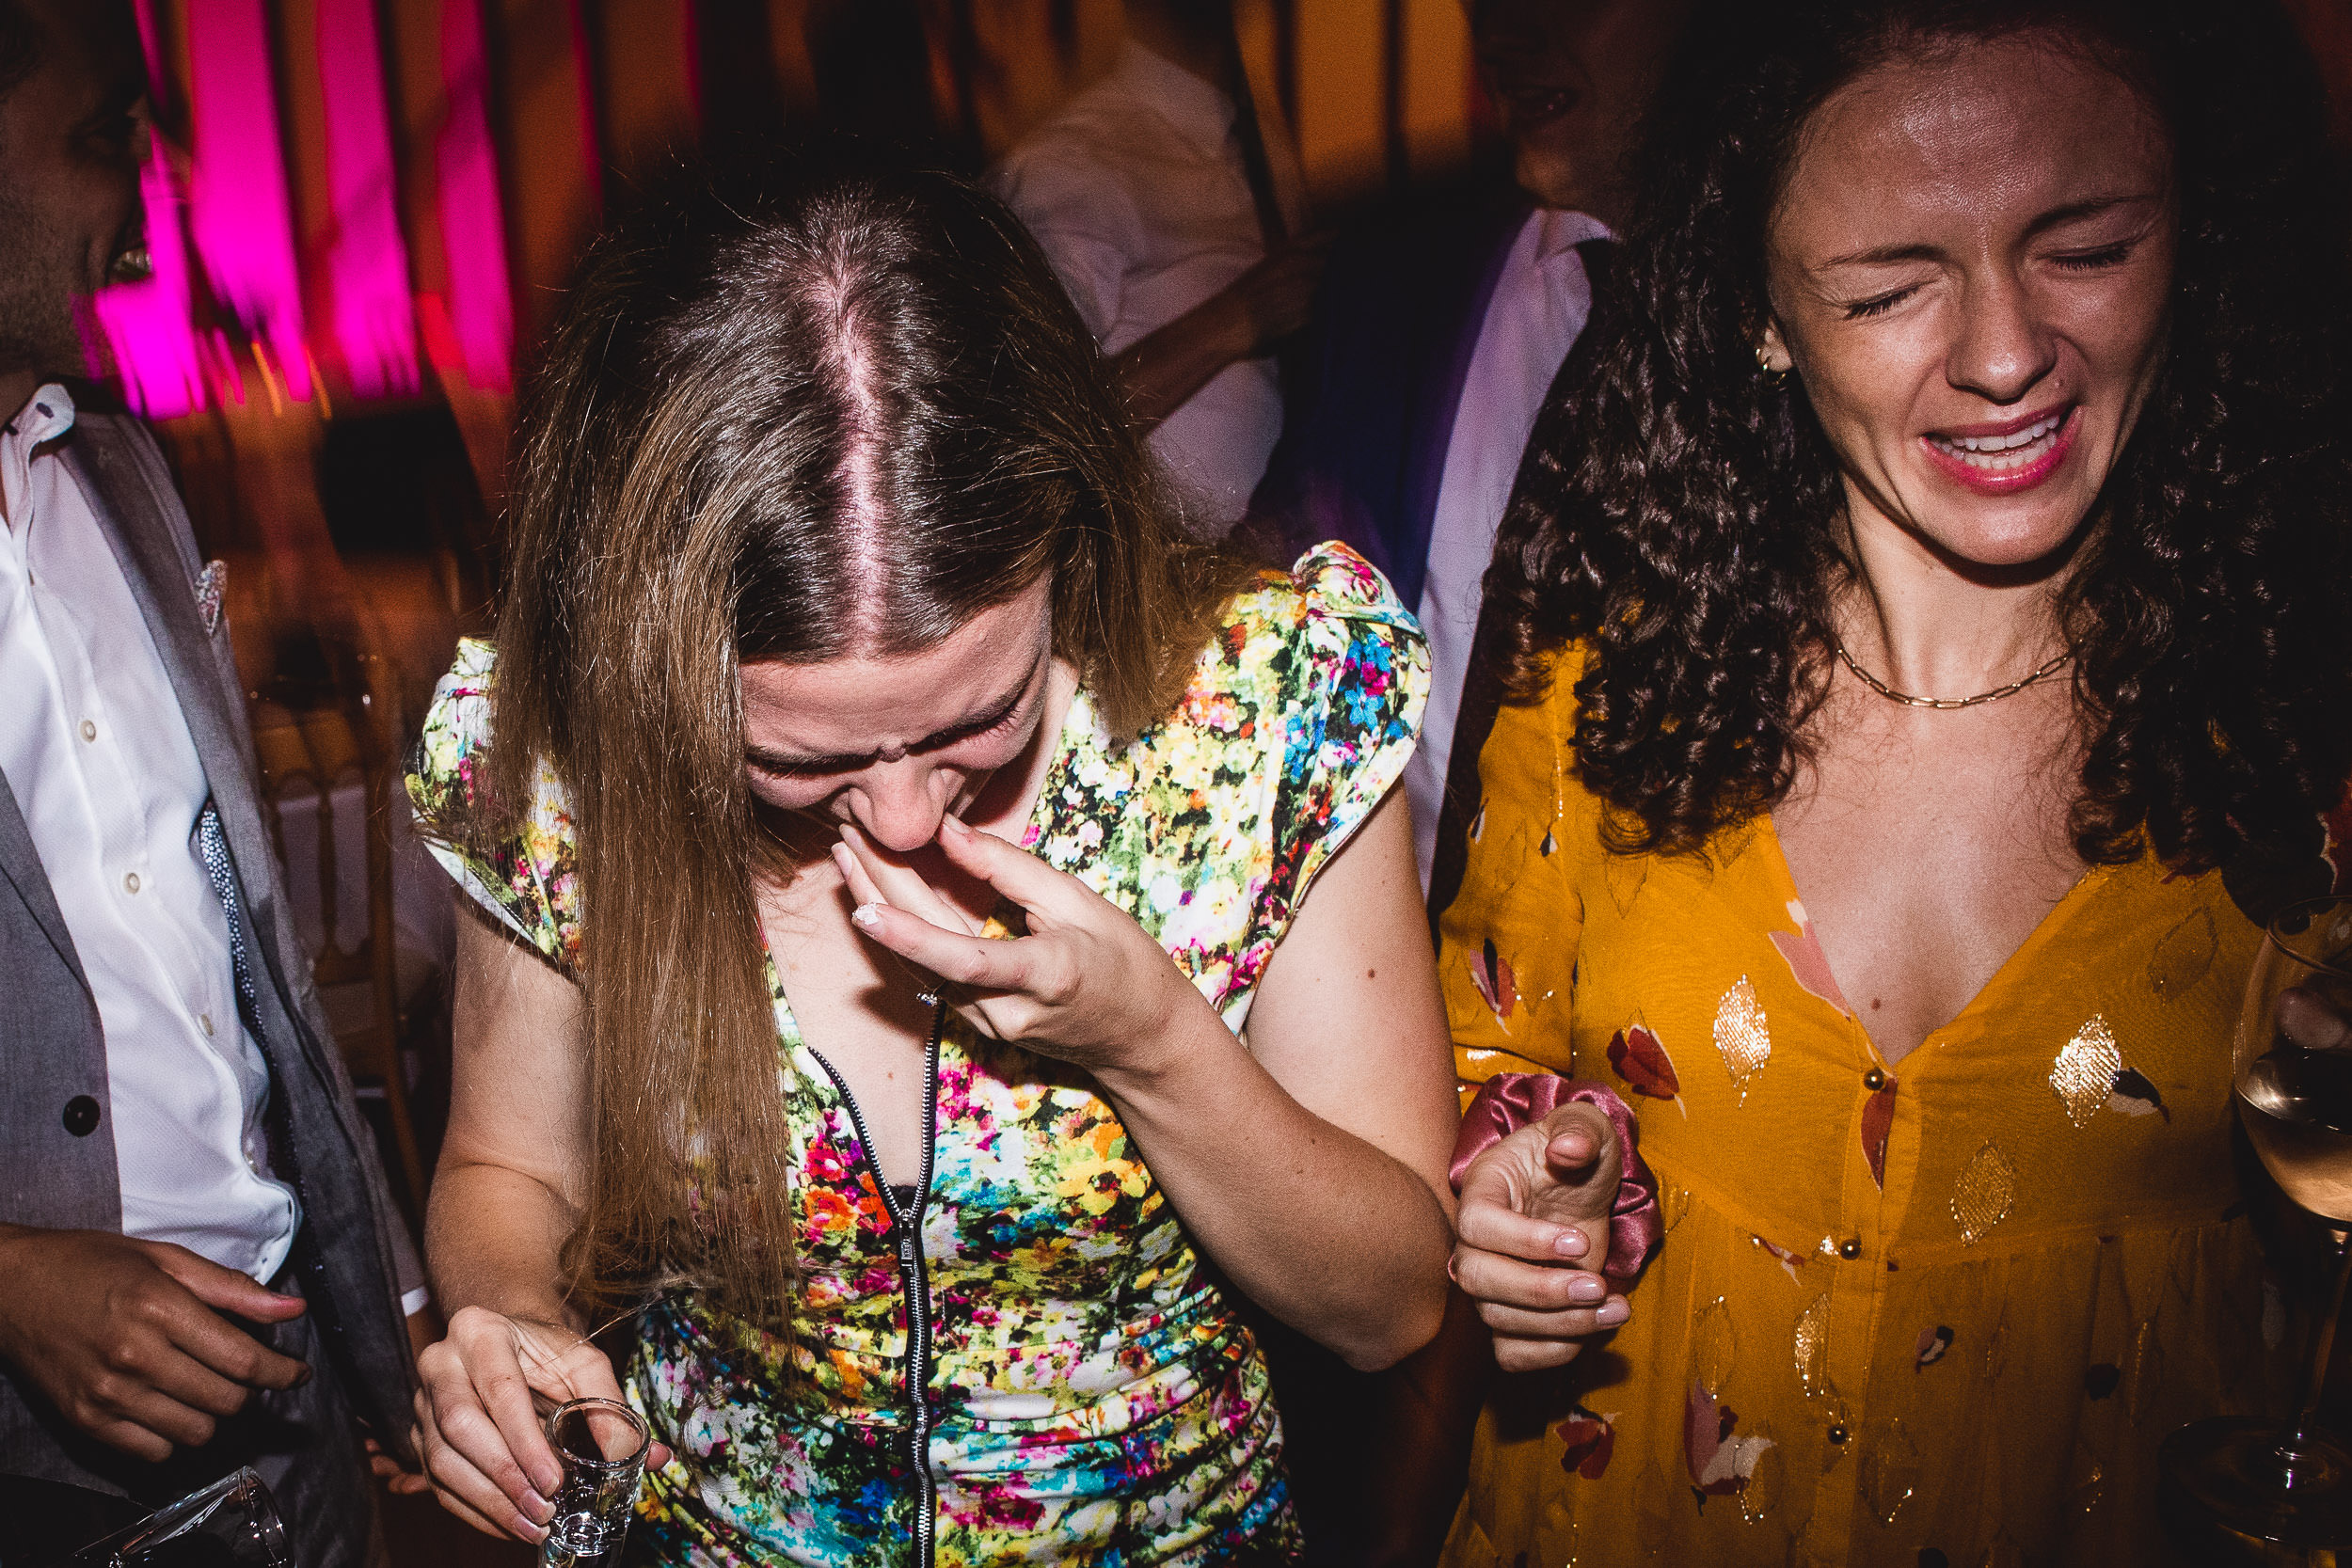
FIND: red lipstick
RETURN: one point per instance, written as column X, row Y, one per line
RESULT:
column 2003, row 457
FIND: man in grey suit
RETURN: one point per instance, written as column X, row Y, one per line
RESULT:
column 199, row 1266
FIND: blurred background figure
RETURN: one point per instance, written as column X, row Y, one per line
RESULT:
column 1169, row 201
column 1441, row 326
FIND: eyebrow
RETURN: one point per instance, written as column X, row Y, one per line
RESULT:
column 779, row 762
column 2057, row 217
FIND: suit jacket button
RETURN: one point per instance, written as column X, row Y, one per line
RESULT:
column 81, row 1115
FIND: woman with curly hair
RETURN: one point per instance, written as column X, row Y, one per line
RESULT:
column 1926, row 645
column 945, row 945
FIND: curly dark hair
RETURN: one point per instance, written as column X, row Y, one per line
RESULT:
column 1678, row 515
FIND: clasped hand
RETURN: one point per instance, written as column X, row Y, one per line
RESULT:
column 1533, row 1237
column 1086, row 985
column 136, row 1342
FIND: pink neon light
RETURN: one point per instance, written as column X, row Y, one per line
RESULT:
column 146, row 323
column 481, row 305
column 367, row 260
column 243, row 226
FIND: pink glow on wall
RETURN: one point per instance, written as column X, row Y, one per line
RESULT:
column 242, row 220
column 366, row 260
column 146, row 323
column 480, row 303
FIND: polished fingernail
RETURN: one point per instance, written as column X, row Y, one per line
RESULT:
column 955, row 824
column 1612, row 1313
column 1569, row 1243
column 1586, row 1288
column 539, row 1510
column 866, row 914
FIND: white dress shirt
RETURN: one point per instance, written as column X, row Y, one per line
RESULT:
column 1136, row 194
column 98, row 755
column 1540, row 304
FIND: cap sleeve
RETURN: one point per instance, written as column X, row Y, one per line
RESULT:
column 529, row 883
column 1350, row 673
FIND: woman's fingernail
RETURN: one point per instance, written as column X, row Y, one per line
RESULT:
column 956, row 825
column 1586, row 1288
column 537, row 1508
column 1612, row 1313
column 1569, row 1243
column 867, row 915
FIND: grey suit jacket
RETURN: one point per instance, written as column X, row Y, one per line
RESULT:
column 52, row 1049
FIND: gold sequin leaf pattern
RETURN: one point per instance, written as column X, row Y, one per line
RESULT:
column 1982, row 1196
column 1742, row 1035
column 2084, row 1074
column 1812, row 1347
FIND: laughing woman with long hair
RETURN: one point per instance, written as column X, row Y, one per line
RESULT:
column 1927, row 633
column 944, row 941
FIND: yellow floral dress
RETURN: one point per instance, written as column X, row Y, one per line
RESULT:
column 1937, row 1312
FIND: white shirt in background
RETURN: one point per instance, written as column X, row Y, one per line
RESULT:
column 1136, row 191
column 98, row 755
column 1541, row 301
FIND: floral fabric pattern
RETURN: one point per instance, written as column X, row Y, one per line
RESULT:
column 1093, row 1396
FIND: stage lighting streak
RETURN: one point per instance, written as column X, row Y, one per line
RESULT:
column 242, row 219
column 147, row 324
column 481, row 302
column 368, row 261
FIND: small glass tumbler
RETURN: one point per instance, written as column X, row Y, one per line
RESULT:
column 234, row 1521
column 601, row 1445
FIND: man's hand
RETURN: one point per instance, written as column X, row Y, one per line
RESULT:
column 1534, row 1229
column 127, row 1337
column 1243, row 319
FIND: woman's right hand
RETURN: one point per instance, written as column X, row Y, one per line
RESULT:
column 479, row 1414
column 1532, row 1234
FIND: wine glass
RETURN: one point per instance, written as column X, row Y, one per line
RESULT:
column 2290, row 1485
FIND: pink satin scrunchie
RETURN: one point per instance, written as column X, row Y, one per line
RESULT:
column 1510, row 1100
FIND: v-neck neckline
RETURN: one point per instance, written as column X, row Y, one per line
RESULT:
column 2044, row 933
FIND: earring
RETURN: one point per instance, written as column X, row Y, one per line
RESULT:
column 1764, row 365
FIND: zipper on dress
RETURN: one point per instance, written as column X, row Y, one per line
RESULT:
column 914, row 1282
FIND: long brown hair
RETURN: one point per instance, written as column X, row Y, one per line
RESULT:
column 837, row 413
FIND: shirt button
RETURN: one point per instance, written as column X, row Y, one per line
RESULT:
column 81, row 1115
column 206, row 1020
column 1838, row 1434
column 1851, row 1248
column 130, row 881
column 90, row 730
column 1874, row 1080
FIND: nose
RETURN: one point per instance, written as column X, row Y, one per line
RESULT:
column 2003, row 349
column 897, row 805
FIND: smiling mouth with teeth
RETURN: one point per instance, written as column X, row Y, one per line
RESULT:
column 1995, row 455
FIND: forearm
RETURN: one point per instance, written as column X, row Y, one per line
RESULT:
column 1321, row 1228
column 493, row 1239
column 1161, row 371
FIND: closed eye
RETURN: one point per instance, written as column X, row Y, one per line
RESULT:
column 1878, row 305
column 2096, row 261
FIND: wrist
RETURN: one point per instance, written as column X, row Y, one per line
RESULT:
column 1165, row 1046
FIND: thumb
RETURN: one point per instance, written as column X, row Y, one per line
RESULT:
column 224, row 1289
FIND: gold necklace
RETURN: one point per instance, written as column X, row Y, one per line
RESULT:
column 1947, row 703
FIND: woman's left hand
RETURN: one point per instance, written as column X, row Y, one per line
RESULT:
column 1087, row 985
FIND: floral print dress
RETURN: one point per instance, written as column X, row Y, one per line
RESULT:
column 1023, row 1358
column 1937, row 1311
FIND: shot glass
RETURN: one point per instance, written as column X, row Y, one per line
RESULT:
column 601, row 1445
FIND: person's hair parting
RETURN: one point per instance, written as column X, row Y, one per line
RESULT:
column 1680, row 521
column 830, row 408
